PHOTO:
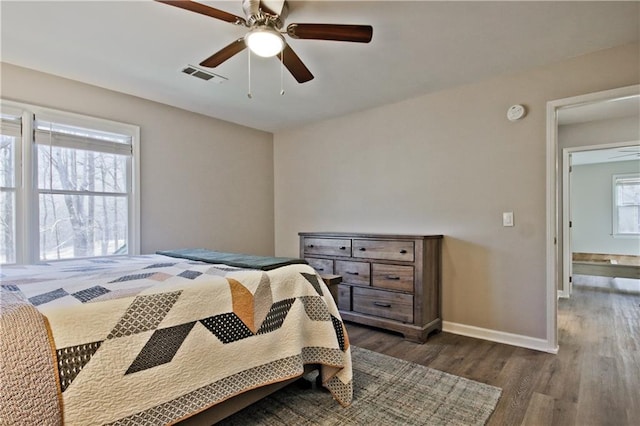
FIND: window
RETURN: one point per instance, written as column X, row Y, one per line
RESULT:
column 10, row 132
column 79, row 193
column 626, row 204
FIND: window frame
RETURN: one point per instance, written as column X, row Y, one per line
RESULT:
column 27, row 191
column 14, row 130
column 614, row 200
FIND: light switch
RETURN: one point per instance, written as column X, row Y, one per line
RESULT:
column 507, row 219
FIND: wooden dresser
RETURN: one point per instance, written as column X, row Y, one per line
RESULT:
column 388, row 281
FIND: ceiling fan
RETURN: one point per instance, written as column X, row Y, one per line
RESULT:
column 265, row 23
column 629, row 152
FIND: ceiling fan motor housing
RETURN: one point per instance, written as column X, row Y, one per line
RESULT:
column 258, row 14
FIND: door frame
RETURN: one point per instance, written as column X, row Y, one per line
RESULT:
column 555, row 254
column 564, row 290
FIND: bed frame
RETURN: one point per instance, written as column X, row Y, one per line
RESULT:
column 233, row 405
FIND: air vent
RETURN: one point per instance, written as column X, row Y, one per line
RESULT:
column 203, row 75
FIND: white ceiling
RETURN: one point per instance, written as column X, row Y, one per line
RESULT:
column 139, row 47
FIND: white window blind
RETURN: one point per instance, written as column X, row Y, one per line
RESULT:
column 55, row 134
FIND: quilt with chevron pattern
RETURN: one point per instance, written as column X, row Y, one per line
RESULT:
column 155, row 339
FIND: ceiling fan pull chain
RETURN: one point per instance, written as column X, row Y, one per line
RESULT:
column 282, row 73
column 249, row 75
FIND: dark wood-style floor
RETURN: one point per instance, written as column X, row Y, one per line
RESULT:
column 593, row 380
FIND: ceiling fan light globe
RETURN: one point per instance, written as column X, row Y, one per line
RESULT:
column 265, row 42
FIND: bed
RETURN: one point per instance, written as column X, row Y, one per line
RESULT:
column 159, row 339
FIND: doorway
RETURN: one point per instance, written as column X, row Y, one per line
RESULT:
column 556, row 233
column 600, row 222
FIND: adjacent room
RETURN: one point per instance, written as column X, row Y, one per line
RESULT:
column 319, row 212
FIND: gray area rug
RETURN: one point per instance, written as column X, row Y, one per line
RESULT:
column 387, row 391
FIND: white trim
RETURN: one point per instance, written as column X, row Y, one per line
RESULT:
column 553, row 253
column 134, row 213
column 29, row 237
column 564, row 291
column 552, row 230
column 499, row 337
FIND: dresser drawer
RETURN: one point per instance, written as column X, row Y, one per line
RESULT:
column 391, row 281
column 384, row 250
column 344, row 297
column 323, row 266
column 327, row 246
column 353, row 272
column 385, row 304
column 392, row 277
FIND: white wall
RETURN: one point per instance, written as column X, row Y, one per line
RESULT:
column 446, row 163
column 592, row 212
column 204, row 182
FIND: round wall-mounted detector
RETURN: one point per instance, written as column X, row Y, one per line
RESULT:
column 516, row 112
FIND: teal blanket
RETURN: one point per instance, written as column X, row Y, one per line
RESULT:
column 232, row 259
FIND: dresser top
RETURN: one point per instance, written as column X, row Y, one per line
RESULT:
column 367, row 235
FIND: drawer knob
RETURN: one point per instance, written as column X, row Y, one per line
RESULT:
column 403, row 251
column 343, row 248
column 319, row 269
column 382, row 305
column 353, row 273
column 394, row 278
column 362, row 249
column 311, row 246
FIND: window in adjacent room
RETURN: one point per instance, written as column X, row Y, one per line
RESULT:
column 79, row 188
column 626, row 204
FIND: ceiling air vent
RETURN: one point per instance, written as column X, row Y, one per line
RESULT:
column 203, row 75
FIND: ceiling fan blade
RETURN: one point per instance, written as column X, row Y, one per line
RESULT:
column 633, row 154
column 225, row 53
column 295, row 66
column 205, row 10
column 336, row 32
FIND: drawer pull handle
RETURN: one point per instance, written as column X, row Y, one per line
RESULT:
column 343, row 248
column 403, row 251
column 311, row 246
column 353, row 273
column 362, row 249
column 319, row 269
column 394, row 278
column 382, row 305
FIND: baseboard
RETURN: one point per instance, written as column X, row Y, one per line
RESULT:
column 499, row 337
